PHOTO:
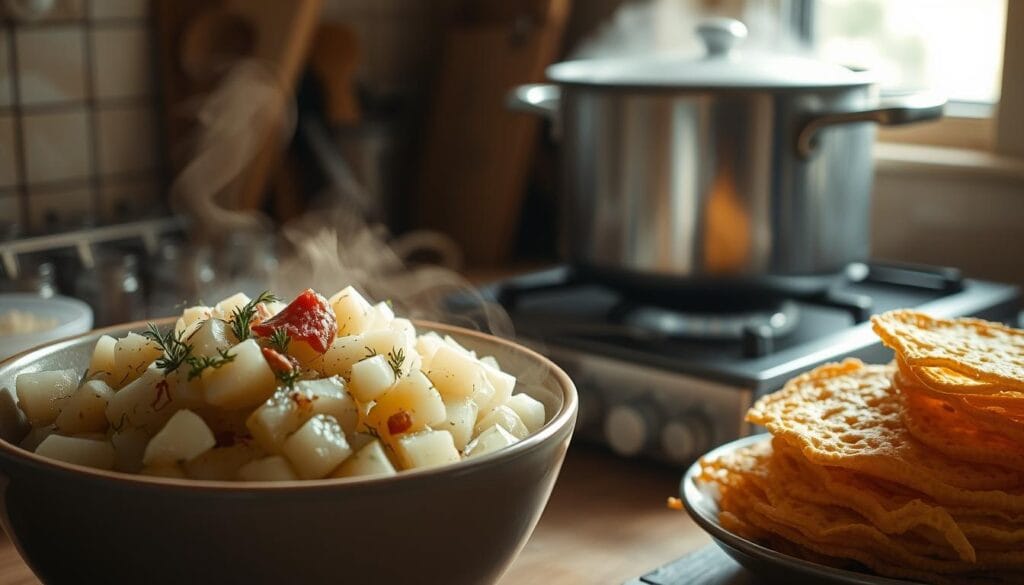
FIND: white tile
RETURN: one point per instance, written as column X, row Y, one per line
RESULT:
column 56, row 210
column 104, row 9
column 122, row 62
column 57, row 146
column 8, row 153
column 51, row 65
column 128, row 200
column 6, row 97
column 127, row 139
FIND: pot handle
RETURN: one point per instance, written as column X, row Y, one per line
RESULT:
column 894, row 111
column 535, row 98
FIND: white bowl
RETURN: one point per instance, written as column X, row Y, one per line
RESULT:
column 73, row 318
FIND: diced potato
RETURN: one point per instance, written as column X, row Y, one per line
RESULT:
column 185, row 393
column 352, row 311
column 183, row 438
column 243, row 382
column 460, row 421
column 503, row 385
column 381, row 316
column 41, row 394
column 273, row 468
column 529, row 409
column 190, row 317
column 371, row 377
column 454, row 373
column 87, row 452
column 287, row 410
column 317, row 447
column 93, row 436
column 223, row 463
column 172, row 470
column 426, row 347
column 132, row 355
column 426, row 449
column 404, row 326
column 505, row 417
column 490, row 362
column 85, row 410
column 483, row 396
column 129, row 447
column 414, row 396
column 450, row 342
column 346, row 351
column 146, row 403
column 36, row 436
column 226, row 308
column 303, row 352
column 369, row 460
column 211, row 336
column 225, row 423
column 101, row 366
column 490, row 441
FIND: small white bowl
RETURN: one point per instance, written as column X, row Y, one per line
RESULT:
column 73, row 318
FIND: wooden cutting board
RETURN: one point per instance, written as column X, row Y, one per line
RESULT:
column 477, row 154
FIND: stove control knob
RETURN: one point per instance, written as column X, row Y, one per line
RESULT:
column 630, row 428
column 686, row 437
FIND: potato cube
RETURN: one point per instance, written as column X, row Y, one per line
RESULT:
column 273, row 468
column 132, row 355
column 41, row 394
column 426, row 347
column 101, row 366
column 184, row 437
column 171, row 470
column 381, row 316
column 460, row 421
column 36, row 436
column 483, row 396
column 490, row 441
column 503, row 385
column 278, row 417
column 129, row 447
column 87, row 452
column 210, row 337
column 146, row 403
column 85, row 410
column 346, row 351
column 529, row 409
column 371, row 377
column 505, row 417
column 490, row 362
column 450, row 342
column 287, row 409
column 426, row 449
column 454, row 373
column 352, row 311
column 223, row 463
column 226, row 308
column 404, row 326
column 409, row 406
column 369, row 460
column 190, row 317
column 317, row 447
column 329, row 396
column 243, row 382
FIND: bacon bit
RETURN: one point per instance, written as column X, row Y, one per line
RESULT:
column 301, row 399
column 277, row 361
column 224, row 438
column 399, row 422
column 308, row 318
column 674, row 503
column 163, row 390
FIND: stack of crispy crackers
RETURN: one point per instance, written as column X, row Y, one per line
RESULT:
column 912, row 470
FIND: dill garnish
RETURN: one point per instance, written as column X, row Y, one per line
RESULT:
column 176, row 351
column 279, row 340
column 241, row 317
column 396, row 359
column 198, row 364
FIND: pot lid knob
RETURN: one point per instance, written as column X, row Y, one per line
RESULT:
column 721, row 34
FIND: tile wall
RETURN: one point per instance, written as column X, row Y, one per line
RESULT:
column 79, row 142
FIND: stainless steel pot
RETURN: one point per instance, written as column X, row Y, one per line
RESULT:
column 732, row 167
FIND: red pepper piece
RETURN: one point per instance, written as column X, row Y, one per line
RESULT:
column 399, row 422
column 308, row 318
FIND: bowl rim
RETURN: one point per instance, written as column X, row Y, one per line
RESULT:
column 563, row 418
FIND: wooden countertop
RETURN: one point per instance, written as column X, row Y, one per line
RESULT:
column 606, row 523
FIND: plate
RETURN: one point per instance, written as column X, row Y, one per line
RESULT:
column 702, row 505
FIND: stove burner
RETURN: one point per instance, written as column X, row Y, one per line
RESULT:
column 717, row 325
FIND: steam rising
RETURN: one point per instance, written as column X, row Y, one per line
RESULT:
column 327, row 249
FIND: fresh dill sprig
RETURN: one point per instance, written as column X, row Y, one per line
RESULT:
column 279, row 340
column 241, row 317
column 396, row 359
column 370, row 352
column 198, row 364
column 288, row 378
column 176, row 351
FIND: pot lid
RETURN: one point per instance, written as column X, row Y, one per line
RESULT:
column 724, row 66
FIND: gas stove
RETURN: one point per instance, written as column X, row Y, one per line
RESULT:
column 669, row 376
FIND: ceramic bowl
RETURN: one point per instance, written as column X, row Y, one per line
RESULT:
column 460, row 523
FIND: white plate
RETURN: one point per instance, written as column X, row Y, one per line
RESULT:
column 773, row 566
